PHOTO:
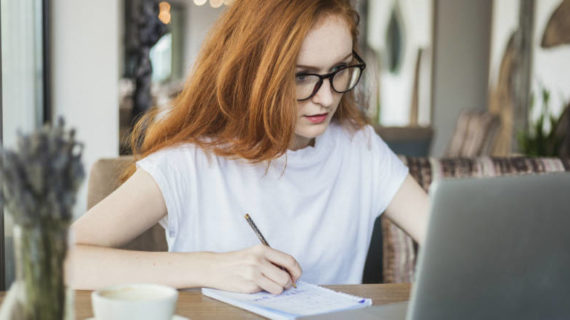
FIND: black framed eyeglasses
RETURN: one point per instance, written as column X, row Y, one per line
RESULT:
column 342, row 80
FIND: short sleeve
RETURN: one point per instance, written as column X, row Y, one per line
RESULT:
column 161, row 166
column 388, row 170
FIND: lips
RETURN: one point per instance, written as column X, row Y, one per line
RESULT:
column 317, row 118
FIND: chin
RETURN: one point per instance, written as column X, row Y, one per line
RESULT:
column 313, row 131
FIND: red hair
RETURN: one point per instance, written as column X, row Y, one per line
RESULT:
column 240, row 100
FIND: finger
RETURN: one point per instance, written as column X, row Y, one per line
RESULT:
column 276, row 274
column 268, row 285
column 284, row 260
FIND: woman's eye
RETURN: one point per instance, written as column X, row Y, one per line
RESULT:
column 339, row 67
column 301, row 77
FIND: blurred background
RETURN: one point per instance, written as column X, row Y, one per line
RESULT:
column 444, row 78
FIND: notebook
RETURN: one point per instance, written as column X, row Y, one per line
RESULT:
column 307, row 299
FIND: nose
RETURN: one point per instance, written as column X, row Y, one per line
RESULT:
column 325, row 94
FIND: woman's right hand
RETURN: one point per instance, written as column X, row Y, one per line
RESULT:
column 254, row 269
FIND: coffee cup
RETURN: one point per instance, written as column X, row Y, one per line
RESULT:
column 140, row 301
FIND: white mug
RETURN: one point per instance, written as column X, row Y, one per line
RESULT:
column 139, row 301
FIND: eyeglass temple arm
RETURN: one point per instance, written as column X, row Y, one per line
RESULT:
column 360, row 60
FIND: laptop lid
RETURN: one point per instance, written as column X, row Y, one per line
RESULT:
column 496, row 248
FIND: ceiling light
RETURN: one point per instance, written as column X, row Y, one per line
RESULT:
column 216, row 3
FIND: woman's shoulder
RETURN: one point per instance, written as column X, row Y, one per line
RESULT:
column 178, row 155
column 177, row 150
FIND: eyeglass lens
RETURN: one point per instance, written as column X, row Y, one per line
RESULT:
column 342, row 80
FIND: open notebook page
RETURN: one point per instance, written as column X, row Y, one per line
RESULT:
column 306, row 299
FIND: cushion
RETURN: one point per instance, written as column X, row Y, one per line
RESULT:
column 474, row 134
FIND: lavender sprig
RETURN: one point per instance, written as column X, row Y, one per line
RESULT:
column 41, row 178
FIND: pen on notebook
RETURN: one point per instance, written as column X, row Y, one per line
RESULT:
column 262, row 238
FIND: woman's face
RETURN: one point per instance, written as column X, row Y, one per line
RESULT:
column 327, row 46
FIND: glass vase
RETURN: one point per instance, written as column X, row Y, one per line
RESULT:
column 40, row 252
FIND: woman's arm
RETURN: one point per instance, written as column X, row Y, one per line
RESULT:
column 134, row 207
column 91, row 267
column 409, row 209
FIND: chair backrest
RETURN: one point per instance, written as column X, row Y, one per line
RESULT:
column 474, row 135
column 104, row 179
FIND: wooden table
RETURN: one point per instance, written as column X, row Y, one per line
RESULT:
column 193, row 305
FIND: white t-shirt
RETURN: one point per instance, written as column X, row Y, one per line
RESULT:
column 320, row 208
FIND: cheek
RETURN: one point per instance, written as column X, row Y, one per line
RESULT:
column 337, row 102
column 301, row 107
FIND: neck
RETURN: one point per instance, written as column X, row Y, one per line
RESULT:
column 301, row 142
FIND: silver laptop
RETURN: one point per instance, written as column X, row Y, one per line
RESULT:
column 496, row 248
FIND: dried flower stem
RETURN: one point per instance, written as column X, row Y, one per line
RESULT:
column 39, row 184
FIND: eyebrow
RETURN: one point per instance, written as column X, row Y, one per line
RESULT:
column 311, row 68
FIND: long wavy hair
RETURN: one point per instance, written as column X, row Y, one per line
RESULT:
column 239, row 100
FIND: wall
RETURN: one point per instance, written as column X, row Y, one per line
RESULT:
column 505, row 21
column 460, row 65
column 550, row 67
column 199, row 20
column 85, row 76
column 396, row 89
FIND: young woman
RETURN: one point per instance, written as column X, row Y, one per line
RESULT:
column 266, row 125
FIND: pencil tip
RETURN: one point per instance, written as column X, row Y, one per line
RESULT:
column 247, row 216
